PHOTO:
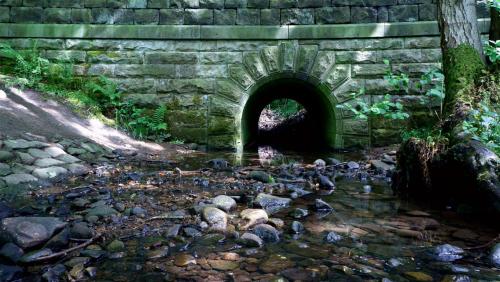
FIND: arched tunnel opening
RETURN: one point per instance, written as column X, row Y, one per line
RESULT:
column 310, row 128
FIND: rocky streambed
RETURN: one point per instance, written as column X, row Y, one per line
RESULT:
column 212, row 218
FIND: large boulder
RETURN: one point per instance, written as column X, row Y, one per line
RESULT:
column 27, row 232
column 272, row 204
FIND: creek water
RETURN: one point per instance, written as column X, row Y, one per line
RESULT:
column 378, row 237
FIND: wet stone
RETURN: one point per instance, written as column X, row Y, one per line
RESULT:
column 19, row 178
column 224, row 202
column 447, row 253
column 299, row 213
column 272, row 204
column 5, row 169
column 81, row 230
column 183, row 260
column 251, row 240
column 253, row 217
column 35, row 255
column 321, row 205
column 101, row 211
column 332, row 237
column 276, row 263
column 158, row 253
column 261, row 176
column 6, row 156
column 48, row 162
column 11, row 251
column 216, row 218
column 138, row 211
column 8, row 272
column 39, row 154
column 267, row 233
column 495, row 255
column 29, row 232
column 353, row 165
column 297, row 227
column 223, row 265
column 419, row 276
column 115, row 246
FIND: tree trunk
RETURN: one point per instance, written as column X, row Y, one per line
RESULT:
column 463, row 57
column 495, row 25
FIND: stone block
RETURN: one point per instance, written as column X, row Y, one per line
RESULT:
column 143, row 71
column 221, row 125
column 363, row 15
column 123, row 16
column 235, row 4
column 313, row 3
column 159, row 4
column 101, row 69
column 404, row 13
column 184, row 4
column 4, row 14
column 382, row 15
column 211, row 71
column 400, row 56
column 147, row 16
column 65, row 3
column 57, row 15
column 198, row 16
column 120, row 4
column 225, row 17
column 94, row 4
column 137, row 4
column 210, row 58
column 136, row 85
column 79, row 16
column 427, row 12
column 333, row 15
column 297, row 16
column 212, row 4
column 422, row 42
column 248, row 17
column 283, row 4
column 171, row 58
column 102, row 16
column 172, row 16
column 270, row 17
column 66, row 56
column 357, row 56
column 12, row 3
column 26, row 15
column 114, row 57
column 259, row 4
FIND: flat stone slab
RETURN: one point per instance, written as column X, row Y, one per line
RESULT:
column 27, row 232
column 54, row 151
column 69, row 159
column 49, row 172
column 48, row 162
column 23, row 144
column 19, row 178
column 37, row 153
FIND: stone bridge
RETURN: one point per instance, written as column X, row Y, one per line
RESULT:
column 218, row 63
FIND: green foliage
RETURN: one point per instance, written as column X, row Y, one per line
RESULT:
column 285, row 108
column 492, row 51
column 494, row 4
column 483, row 125
column 435, row 79
column 430, row 135
column 387, row 108
column 97, row 96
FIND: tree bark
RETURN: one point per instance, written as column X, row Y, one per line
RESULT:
column 495, row 25
column 463, row 57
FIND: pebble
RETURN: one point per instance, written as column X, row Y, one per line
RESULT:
column 448, row 253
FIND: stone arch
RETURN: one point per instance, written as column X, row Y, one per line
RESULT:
column 290, row 62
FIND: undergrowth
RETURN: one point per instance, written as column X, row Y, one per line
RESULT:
column 97, row 97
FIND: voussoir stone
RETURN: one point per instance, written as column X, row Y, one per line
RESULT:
column 28, row 232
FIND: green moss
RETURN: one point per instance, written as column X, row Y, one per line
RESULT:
column 462, row 65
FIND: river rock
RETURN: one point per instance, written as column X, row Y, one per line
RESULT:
column 158, row 253
column 25, row 158
column 319, row 163
column 251, row 240
column 381, row 166
column 267, row 233
column 23, row 144
column 253, row 217
column 69, row 159
column 19, row 178
column 299, row 213
column 34, row 255
column 49, row 172
column 115, row 246
column 272, row 204
column 216, row 218
column 325, row 182
column 5, row 211
column 218, row 164
column 12, row 252
column 447, row 253
column 101, row 211
column 6, row 156
column 495, row 255
column 8, row 272
column 28, row 232
column 47, row 162
column 184, row 259
column 81, row 230
column 322, row 206
column 54, row 151
column 261, row 176
column 224, row 202
column 138, row 211
column 5, row 169
column 332, row 237
column 276, row 263
column 54, row 274
column 38, row 154
column 78, row 169
column 223, row 265
column 297, row 227
column 59, row 241
column 353, row 165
